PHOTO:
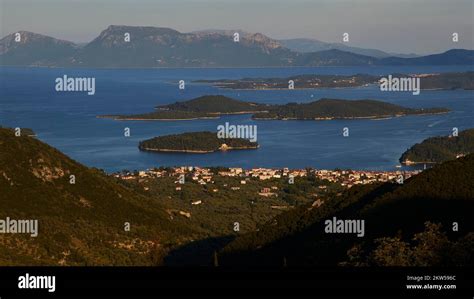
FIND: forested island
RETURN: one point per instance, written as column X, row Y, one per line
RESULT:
column 440, row 149
column 444, row 81
column 195, row 142
column 214, row 106
column 204, row 107
column 325, row 109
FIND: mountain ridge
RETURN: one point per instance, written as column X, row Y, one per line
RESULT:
column 153, row 47
column 307, row 45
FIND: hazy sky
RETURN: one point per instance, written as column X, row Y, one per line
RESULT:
column 404, row 26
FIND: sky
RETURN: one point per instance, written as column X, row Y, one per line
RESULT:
column 397, row 26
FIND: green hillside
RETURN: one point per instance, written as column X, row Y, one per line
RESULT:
column 406, row 225
column 81, row 223
column 440, row 149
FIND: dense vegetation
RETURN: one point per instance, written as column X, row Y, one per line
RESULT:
column 216, row 104
column 440, row 149
column 195, row 142
column 410, row 224
column 83, row 223
column 335, row 108
column 209, row 106
column 222, row 206
column 80, row 223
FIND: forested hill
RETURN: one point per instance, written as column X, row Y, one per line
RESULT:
column 440, row 149
column 217, row 104
column 80, row 223
column 405, row 225
column 207, row 106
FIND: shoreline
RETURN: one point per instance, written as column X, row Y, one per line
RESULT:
column 381, row 117
column 217, row 116
column 299, row 88
column 371, row 117
column 164, row 150
column 155, row 119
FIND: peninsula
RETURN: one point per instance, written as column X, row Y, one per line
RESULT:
column 442, row 81
column 440, row 149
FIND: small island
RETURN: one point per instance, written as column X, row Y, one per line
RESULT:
column 441, row 81
column 440, row 149
column 195, row 142
column 327, row 109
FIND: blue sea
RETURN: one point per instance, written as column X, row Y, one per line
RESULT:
column 67, row 120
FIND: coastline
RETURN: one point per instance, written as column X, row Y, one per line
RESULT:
column 373, row 117
column 164, row 150
column 156, row 119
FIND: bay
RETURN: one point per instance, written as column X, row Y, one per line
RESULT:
column 67, row 120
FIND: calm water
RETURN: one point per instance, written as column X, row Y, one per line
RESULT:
column 68, row 120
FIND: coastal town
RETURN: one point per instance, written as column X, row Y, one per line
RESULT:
column 203, row 176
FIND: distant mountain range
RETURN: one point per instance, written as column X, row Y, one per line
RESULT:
column 165, row 47
column 307, row 45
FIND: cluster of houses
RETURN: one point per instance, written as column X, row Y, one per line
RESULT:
column 204, row 176
column 350, row 178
